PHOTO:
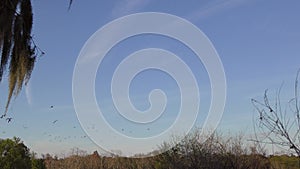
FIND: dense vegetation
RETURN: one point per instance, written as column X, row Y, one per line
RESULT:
column 15, row 155
column 215, row 153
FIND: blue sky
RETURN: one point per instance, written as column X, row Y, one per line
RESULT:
column 258, row 42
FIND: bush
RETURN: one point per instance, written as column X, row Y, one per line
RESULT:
column 214, row 153
column 14, row 154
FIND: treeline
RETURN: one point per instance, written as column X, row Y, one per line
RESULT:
column 216, row 152
column 14, row 154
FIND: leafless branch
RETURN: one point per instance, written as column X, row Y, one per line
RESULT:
column 279, row 125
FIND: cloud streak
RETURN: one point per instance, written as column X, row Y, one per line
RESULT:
column 28, row 94
column 213, row 9
column 128, row 6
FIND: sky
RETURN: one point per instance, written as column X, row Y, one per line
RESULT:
column 258, row 42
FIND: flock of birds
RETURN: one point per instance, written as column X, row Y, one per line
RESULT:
column 58, row 138
column 9, row 119
column 48, row 134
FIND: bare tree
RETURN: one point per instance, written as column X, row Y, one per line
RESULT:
column 279, row 123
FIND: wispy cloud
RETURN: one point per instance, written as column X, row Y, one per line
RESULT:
column 126, row 7
column 214, row 8
column 28, row 94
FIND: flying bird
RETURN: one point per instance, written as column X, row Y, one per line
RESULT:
column 70, row 4
column 51, row 107
column 54, row 121
column 8, row 119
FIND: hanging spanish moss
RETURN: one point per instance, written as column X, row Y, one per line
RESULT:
column 17, row 49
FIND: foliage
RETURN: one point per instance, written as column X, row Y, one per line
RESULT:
column 37, row 163
column 193, row 152
column 17, row 47
column 284, row 162
column 14, row 154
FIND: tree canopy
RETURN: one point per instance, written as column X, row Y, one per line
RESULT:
column 14, row 154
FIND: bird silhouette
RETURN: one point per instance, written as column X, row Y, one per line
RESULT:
column 51, row 107
column 3, row 115
column 271, row 110
column 8, row 119
column 54, row 121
